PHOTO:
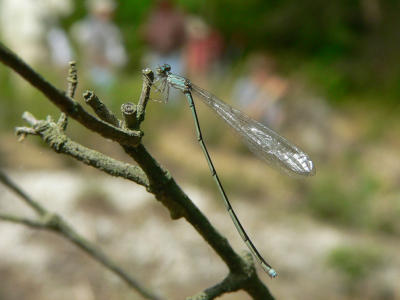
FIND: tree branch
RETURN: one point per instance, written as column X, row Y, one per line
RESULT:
column 66, row 104
column 25, row 197
column 24, row 221
column 54, row 222
column 129, row 111
column 100, row 109
column 242, row 273
column 148, row 77
column 53, row 134
column 72, row 81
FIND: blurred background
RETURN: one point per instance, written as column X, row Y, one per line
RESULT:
column 324, row 74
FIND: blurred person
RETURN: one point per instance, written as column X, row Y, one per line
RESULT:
column 258, row 93
column 61, row 52
column 202, row 49
column 164, row 32
column 100, row 43
column 30, row 28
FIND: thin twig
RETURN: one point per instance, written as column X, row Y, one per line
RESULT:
column 148, row 78
column 55, row 137
column 100, row 109
column 30, row 202
column 72, row 81
column 134, row 114
column 29, row 118
column 54, row 222
column 129, row 112
column 66, row 104
column 24, row 221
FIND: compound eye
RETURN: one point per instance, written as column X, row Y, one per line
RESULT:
column 167, row 67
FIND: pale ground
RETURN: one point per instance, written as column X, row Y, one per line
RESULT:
column 167, row 256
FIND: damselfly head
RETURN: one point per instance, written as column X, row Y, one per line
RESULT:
column 163, row 70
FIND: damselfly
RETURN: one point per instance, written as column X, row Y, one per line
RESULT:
column 263, row 141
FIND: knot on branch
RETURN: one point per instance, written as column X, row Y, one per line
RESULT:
column 248, row 266
column 55, row 138
column 129, row 110
column 162, row 193
column 73, row 109
column 51, row 220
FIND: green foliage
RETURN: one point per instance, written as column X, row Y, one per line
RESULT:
column 326, row 77
column 334, row 44
column 341, row 51
column 309, row 27
column 132, row 14
column 355, row 263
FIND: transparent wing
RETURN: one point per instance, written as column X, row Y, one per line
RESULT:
column 261, row 140
column 159, row 90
